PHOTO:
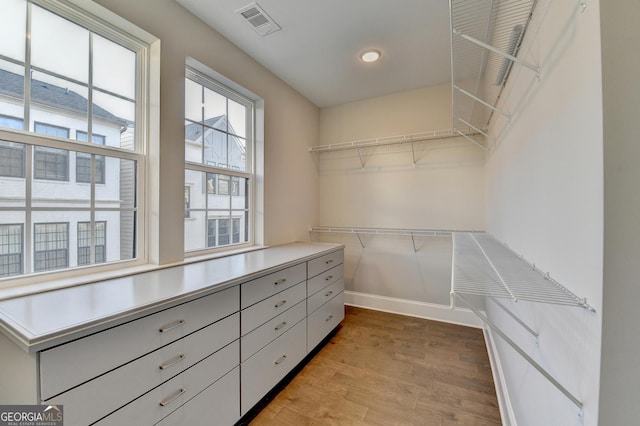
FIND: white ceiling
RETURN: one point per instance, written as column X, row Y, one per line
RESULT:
column 317, row 50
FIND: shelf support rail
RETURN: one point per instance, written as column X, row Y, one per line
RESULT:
column 515, row 318
column 469, row 138
column 522, row 353
column 487, row 104
column 499, row 52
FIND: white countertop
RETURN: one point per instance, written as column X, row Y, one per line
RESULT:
column 39, row 321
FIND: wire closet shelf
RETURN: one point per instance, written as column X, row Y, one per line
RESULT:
column 485, row 39
column 482, row 266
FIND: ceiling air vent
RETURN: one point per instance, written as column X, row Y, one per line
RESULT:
column 258, row 18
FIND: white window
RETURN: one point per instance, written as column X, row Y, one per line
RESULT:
column 71, row 139
column 219, row 169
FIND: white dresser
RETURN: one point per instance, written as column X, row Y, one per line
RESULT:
column 198, row 344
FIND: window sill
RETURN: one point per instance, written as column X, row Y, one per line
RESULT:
column 50, row 285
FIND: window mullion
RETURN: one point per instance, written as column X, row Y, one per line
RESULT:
column 28, row 228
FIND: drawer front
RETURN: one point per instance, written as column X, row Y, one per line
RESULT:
column 128, row 382
column 325, row 319
column 259, row 289
column 219, row 404
column 265, row 369
column 322, row 263
column 323, row 296
column 322, row 280
column 256, row 315
column 269, row 331
column 171, row 395
column 69, row 365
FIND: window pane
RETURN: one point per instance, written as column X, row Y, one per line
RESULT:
column 212, row 232
column 84, row 242
column 69, row 98
column 195, row 231
column 237, row 119
column 12, row 160
column 12, row 28
column 83, row 168
column 51, row 164
column 120, row 183
column 193, row 101
column 114, row 67
column 117, row 118
column 51, row 246
column 223, row 232
column 59, row 45
column 215, row 147
column 237, row 153
column 11, row 249
column 193, row 142
column 215, row 110
column 12, row 85
column 187, row 202
column 235, row 222
column 121, row 238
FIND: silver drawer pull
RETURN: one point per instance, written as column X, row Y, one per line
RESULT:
column 329, row 262
column 171, row 326
column 173, row 397
column 329, row 318
column 329, row 293
column 281, row 281
column 173, row 361
column 281, row 303
column 279, row 326
column 328, row 278
column 281, row 360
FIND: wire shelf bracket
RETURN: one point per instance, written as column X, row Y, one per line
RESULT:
column 362, row 233
column 482, row 266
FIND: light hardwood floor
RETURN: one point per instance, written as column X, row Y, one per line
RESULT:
column 386, row 369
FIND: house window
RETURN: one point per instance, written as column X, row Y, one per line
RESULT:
column 83, row 160
column 218, row 154
column 11, row 159
column 85, row 244
column 11, row 250
column 223, row 231
column 51, row 248
column 74, row 85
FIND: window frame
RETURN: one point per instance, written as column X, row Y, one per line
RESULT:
column 103, row 23
column 226, row 172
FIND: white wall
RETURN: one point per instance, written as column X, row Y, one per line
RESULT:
column 291, row 124
column 620, row 374
column 443, row 190
column 544, row 198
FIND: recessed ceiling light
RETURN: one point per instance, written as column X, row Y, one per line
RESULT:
column 370, row 55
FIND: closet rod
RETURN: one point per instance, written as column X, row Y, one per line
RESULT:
column 517, row 348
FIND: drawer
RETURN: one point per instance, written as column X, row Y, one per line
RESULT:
column 71, row 364
column 219, row 404
column 322, row 263
column 265, row 369
column 171, row 395
column 322, row 280
column 256, row 290
column 323, row 296
column 256, row 315
column 326, row 318
column 118, row 387
column 267, row 332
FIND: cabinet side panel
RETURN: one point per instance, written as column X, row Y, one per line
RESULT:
column 18, row 375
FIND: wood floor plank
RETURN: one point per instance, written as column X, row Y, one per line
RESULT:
column 382, row 369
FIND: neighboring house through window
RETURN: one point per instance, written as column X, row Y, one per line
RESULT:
column 84, row 243
column 83, row 161
column 219, row 168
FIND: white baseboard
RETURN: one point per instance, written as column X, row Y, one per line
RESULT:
column 413, row 308
column 502, row 392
